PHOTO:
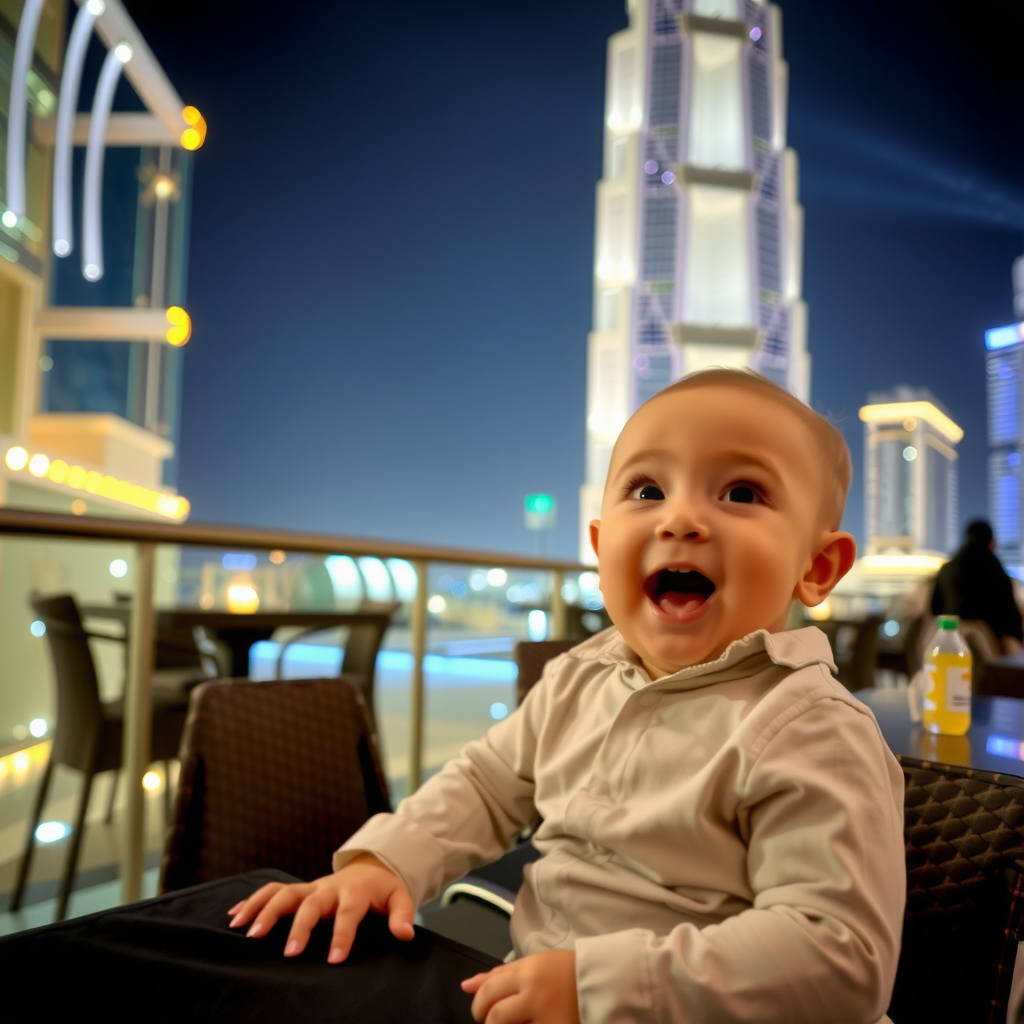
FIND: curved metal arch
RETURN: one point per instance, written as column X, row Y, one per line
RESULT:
column 17, row 114
column 71, row 80
column 92, row 192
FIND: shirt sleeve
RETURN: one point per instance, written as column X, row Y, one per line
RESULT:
column 822, row 818
column 465, row 815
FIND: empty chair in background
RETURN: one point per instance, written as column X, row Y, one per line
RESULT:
column 88, row 733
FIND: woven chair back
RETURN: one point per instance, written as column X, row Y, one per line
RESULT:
column 273, row 775
column 964, row 834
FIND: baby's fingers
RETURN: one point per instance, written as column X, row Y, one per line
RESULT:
column 401, row 913
column 352, row 908
column 285, row 901
column 243, row 911
column 496, row 986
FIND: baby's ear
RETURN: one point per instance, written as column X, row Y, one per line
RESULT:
column 595, row 529
column 832, row 562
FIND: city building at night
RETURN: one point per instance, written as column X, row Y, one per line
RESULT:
column 95, row 188
column 910, row 484
column 1004, row 372
column 698, row 242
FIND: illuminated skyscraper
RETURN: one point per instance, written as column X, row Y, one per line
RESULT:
column 1004, row 372
column 910, row 495
column 699, row 231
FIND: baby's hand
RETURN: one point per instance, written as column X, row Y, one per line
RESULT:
column 361, row 885
column 539, row 988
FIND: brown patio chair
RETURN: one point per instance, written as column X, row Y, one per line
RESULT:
column 964, row 834
column 273, row 775
column 531, row 657
column 88, row 733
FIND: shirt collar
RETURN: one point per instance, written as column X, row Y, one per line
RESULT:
column 792, row 649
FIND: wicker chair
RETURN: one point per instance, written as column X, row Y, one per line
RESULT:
column 273, row 775
column 964, row 833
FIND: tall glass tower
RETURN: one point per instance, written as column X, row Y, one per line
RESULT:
column 1004, row 366
column 699, row 232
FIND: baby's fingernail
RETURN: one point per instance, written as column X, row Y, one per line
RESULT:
column 335, row 956
column 234, row 910
column 233, row 923
column 292, row 948
column 255, row 931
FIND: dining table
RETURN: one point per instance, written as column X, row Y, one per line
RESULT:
column 994, row 742
column 238, row 631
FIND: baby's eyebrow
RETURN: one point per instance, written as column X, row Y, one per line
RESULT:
column 745, row 458
column 647, row 455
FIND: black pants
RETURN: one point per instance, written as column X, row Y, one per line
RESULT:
column 174, row 958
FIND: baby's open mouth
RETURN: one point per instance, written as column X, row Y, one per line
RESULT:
column 678, row 591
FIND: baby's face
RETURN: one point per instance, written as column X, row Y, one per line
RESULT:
column 711, row 517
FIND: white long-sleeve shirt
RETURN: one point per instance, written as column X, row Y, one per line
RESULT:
column 721, row 844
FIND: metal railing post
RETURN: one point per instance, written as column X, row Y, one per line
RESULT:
column 558, row 624
column 414, row 774
column 138, row 727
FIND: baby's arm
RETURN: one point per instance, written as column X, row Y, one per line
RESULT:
column 822, row 818
column 465, row 815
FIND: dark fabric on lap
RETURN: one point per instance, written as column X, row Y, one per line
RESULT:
column 174, row 958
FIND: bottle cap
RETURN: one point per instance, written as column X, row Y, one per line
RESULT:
column 949, row 621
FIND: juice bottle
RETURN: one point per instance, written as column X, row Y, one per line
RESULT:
column 947, row 704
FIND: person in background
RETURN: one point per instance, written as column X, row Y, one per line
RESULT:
column 974, row 585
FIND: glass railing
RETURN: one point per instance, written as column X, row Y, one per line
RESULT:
column 445, row 672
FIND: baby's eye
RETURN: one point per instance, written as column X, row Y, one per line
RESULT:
column 741, row 493
column 651, row 493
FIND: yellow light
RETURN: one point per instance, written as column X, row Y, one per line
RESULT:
column 195, row 135
column 902, row 565
column 78, row 478
column 16, row 458
column 151, row 781
column 277, row 557
column 910, row 423
column 163, row 186
column 180, row 329
column 895, row 412
column 206, row 601
column 242, row 599
column 820, row 612
column 20, row 761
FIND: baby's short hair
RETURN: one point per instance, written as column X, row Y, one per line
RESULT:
column 837, row 469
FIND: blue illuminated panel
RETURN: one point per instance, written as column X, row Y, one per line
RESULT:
column 1001, row 337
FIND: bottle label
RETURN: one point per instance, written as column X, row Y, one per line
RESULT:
column 958, row 690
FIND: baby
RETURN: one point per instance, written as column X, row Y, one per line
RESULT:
column 720, row 822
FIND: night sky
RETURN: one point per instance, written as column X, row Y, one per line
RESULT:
column 392, row 241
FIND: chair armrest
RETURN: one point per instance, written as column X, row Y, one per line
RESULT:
column 495, row 896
